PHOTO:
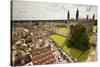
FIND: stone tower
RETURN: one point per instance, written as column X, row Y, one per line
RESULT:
column 77, row 14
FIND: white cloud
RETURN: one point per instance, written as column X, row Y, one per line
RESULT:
column 27, row 10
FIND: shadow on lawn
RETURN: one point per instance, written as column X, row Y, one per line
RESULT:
column 75, row 54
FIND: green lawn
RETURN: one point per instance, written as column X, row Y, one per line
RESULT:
column 58, row 39
column 92, row 38
column 94, row 28
column 74, row 53
column 85, row 55
column 63, row 30
column 61, row 41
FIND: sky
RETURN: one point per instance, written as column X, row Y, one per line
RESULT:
column 32, row 10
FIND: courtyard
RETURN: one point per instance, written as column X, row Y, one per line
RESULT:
column 77, row 55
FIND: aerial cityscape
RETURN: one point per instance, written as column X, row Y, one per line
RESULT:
column 41, row 34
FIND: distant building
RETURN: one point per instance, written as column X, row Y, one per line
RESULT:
column 42, row 56
column 20, row 59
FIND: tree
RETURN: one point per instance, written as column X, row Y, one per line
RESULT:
column 79, row 38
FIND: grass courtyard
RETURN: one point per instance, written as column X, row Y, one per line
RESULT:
column 72, row 52
column 94, row 28
column 63, row 30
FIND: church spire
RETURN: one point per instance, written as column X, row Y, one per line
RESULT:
column 68, row 15
column 77, row 14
